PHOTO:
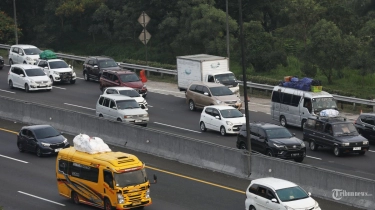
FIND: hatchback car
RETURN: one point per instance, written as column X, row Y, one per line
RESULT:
column 365, row 125
column 272, row 193
column 334, row 133
column 28, row 77
column 127, row 91
column 122, row 109
column 23, row 54
column 122, row 78
column 201, row 94
column 224, row 119
column 41, row 139
column 272, row 140
column 93, row 67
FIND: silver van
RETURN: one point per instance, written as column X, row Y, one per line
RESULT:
column 122, row 109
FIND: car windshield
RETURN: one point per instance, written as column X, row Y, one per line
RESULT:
column 225, row 77
column 58, row 65
column 221, row 91
column 291, row 194
column 129, row 78
column 107, row 63
column 127, row 104
column 130, row 178
column 344, row 129
column 130, row 93
column 32, row 51
column 319, row 104
column 278, row 133
column 46, row 132
column 34, row 72
column 230, row 113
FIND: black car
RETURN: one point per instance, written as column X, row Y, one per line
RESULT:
column 41, row 139
column 94, row 66
column 365, row 125
column 335, row 133
column 272, row 140
column 1, row 62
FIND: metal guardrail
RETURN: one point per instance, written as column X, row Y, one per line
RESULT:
column 174, row 72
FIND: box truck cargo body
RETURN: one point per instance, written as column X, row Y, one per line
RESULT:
column 205, row 68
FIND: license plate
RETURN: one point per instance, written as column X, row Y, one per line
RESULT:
column 137, row 121
column 357, row 148
column 295, row 154
column 56, row 150
column 136, row 203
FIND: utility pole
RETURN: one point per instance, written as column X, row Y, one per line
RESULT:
column 15, row 20
column 228, row 55
column 245, row 89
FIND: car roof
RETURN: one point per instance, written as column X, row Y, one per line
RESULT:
column 52, row 60
column 220, row 107
column 117, row 97
column 367, row 114
column 23, row 46
column 274, row 183
column 35, row 127
column 121, row 88
column 102, row 57
column 266, row 125
column 208, row 84
column 120, row 71
column 26, row 66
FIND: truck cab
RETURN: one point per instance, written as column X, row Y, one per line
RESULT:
column 226, row 78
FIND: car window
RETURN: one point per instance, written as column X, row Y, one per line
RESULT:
column 291, row 194
column 114, row 77
column 210, row 78
column 58, row 65
column 25, row 132
column 205, row 90
column 15, row 70
column 328, row 129
column 199, row 89
column 91, row 62
column 106, row 102
column 262, row 191
column 101, row 100
column 221, row 91
column 319, row 126
column 231, row 113
column 35, row 72
column 112, row 104
column 208, row 111
column 261, row 132
column 129, row 78
column 253, row 189
column 15, row 50
column 368, row 120
column 130, row 93
column 105, row 75
column 215, row 112
column 310, row 123
column 46, row 132
column 270, row 194
column 254, row 131
column 109, row 91
column 192, row 87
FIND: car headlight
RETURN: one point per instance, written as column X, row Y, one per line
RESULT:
column 29, row 59
column 65, row 141
column 32, row 81
column 219, row 102
column 229, row 123
column 144, row 86
column 55, row 72
column 120, row 198
column 148, row 193
column 128, row 116
column 345, row 144
column 303, row 144
column 74, row 73
column 280, row 146
column 45, row 144
column 365, row 142
column 145, row 115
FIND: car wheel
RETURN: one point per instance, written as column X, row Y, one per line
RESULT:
column 222, row 131
column 243, row 146
column 86, row 76
column 303, row 123
column 20, row 147
column 11, row 62
column 313, row 146
column 191, row 105
column 283, row 121
column 100, row 115
column 11, row 84
column 144, row 96
column 299, row 160
column 119, row 120
column 24, row 62
column 144, row 125
column 269, row 153
column 362, row 152
column 107, row 204
column 27, row 89
column 39, row 152
column 75, row 197
column 336, row 151
column 52, row 81
column 252, row 208
column 203, row 127
column 72, row 81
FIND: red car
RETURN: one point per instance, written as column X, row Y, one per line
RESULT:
column 122, row 78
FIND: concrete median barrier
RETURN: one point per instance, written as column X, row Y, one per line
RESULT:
column 319, row 182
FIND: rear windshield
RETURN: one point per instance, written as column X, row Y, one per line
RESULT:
column 34, row 72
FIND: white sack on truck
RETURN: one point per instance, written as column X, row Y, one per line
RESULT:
column 91, row 145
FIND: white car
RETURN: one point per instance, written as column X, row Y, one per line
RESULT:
column 225, row 119
column 272, row 193
column 28, row 77
column 23, row 54
column 122, row 109
column 127, row 91
column 58, row 70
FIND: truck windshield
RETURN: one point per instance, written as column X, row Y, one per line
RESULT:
column 220, row 91
column 225, row 77
column 130, row 178
column 319, row 104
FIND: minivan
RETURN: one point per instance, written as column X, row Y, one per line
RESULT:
column 122, row 109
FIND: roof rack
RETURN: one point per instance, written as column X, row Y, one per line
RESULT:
column 332, row 119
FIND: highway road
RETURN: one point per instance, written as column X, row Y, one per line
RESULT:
column 29, row 182
column 171, row 114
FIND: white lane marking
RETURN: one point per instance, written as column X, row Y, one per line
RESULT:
column 314, row 157
column 79, row 78
column 371, row 151
column 41, row 198
column 6, row 65
column 149, row 106
column 6, row 91
column 13, row 159
column 79, row 106
column 259, row 104
column 168, row 91
column 177, row 127
column 58, row 87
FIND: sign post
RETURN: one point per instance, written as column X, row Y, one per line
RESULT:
column 145, row 35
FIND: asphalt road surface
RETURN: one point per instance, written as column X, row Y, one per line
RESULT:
column 29, row 182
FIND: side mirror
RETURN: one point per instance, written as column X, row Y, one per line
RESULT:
column 62, row 133
column 118, row 64
column 20, row 53
column 274, row 200
column 22, row 75
column 115, row 108
column 261, row 137
column 46, row 67
column 217, row 117
column 206, row 94
column 309, row 193
column 294, row 134
column 155, row 179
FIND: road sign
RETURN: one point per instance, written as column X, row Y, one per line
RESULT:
column 142, row 36
column 144, row 19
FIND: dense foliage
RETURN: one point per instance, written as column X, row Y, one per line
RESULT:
column 325, row 35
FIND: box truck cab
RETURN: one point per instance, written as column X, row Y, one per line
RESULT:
column 205, row 68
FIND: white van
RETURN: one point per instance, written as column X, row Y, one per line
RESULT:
column 23, row 54
column 122, row 109
column 292, row 106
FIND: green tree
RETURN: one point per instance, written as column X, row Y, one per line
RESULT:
column 7, row 35
column 329, row 49
column 102, row 22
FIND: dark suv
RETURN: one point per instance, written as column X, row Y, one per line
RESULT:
column 94, row 66
column 335, row 133
column 272, row 140
column 365, row 125
column 122, row 78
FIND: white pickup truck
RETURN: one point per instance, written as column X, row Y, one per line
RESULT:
column 57, row 70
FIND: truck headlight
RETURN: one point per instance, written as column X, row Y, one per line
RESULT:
column 145, row 115
column 120, row 198
column 229, row 123
column 148, row 193
column 45, row 144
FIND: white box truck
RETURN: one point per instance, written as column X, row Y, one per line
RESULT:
column 205, row 68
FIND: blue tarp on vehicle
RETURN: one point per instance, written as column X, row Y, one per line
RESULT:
column 300, row 84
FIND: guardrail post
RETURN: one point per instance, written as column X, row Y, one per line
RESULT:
column 175, row 78
column 161, row 75
column 353, row 106
column 373, row 107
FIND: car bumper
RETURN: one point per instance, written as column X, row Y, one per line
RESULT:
column 141, row 121
column 290, row 154
column 63, row 78
column 37, row 87
column 234, row 129
column 354, row 149
column 129, row 205
column 50, row 151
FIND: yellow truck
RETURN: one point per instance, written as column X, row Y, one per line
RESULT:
column 110, row 180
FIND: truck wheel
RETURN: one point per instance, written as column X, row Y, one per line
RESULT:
column 283, row 121
column 191, row 105
column 75, row 197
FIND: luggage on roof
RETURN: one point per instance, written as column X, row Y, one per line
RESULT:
column 47, row 54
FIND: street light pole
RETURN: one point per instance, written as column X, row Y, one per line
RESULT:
column 245, row 89
column 15, row 20
column 228, row 55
